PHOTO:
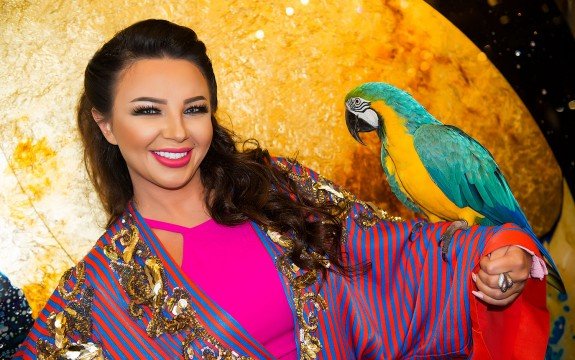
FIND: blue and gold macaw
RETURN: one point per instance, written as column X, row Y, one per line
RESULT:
column 433, row 168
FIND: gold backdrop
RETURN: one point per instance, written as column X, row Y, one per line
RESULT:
column 283, row 68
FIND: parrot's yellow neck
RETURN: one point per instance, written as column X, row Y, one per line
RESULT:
column 397, row 139
column 404, row 164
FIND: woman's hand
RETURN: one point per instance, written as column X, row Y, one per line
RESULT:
column 511, row 259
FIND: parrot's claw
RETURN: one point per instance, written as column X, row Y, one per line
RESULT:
column 415, row 229
column 445, row 246
column 445, row 239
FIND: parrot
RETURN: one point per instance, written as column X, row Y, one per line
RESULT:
column 436, row 169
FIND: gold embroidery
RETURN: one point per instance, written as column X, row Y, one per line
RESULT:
column 69, row 295
column 74, row 318
column 87, row 351
column 323, row 190
column 310, row 345
column 142, row 277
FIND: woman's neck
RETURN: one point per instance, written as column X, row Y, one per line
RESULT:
column 184, row 206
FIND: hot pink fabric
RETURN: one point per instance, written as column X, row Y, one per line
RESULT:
column 538, row 266
column 233, row 267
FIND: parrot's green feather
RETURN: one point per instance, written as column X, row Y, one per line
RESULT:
column 467, row 174
column 472, row 179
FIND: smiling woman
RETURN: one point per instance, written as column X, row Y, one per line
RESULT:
column 161, row 123
column 212, row 252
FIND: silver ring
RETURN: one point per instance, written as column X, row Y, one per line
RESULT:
column 504, row 282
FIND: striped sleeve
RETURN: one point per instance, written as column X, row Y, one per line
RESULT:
column 411, row 303
column 420, row 302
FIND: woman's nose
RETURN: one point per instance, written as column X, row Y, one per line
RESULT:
column 175, row 128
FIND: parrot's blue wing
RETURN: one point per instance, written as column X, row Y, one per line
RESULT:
column 467, row 174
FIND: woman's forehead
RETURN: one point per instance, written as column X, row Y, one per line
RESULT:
column 161, row 77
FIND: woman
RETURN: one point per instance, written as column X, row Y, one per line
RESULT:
column 216, row 253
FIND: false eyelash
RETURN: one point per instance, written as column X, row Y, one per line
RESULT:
column 152, row 110
column 199, row 108
column 141, row 110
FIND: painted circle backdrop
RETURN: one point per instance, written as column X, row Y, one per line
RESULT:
column 283, row 68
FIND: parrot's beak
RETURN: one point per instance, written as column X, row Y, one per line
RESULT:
column 356, row 124
column 351, row 121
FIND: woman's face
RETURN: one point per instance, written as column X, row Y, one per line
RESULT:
column 161, row 121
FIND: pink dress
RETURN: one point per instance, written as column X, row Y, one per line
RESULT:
column 233, row 267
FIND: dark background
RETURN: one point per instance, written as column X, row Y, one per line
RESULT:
column 531, row 42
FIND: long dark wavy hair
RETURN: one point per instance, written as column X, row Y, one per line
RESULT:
column 240, row 185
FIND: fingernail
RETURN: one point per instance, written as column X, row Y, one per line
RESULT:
column 478, row 294
column 474, row 277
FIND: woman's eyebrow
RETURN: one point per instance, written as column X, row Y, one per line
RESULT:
column 150, row 99
column 164, row 101
column 195, row 98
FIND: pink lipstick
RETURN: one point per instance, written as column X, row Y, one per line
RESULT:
column 173, row 158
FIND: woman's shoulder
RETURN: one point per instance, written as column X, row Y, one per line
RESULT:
column 79, row 278
column 309, row 181
column 323, row 190
column 89, row 268
column 292, row 165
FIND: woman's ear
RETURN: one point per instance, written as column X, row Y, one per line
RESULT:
column 105, row 126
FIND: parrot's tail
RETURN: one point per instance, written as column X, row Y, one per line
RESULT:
column 554, row 279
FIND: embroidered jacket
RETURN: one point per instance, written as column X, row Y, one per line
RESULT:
column 127, row 299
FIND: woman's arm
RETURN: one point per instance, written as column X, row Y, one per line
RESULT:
column 425, row 303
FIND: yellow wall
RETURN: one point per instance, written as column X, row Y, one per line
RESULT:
column 284, row 68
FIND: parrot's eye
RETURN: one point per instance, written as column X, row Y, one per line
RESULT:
column 357, row 104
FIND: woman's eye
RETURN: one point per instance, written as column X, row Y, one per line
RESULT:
column 146, row 110
column 196, row 109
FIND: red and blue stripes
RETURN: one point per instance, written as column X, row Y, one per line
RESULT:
column 410, row 304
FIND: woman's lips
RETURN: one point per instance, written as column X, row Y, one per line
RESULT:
column 173, row 158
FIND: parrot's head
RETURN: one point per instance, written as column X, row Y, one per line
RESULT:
column 360, row 116
column 372, row 105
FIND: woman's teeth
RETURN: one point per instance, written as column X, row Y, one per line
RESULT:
column 171, row 155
